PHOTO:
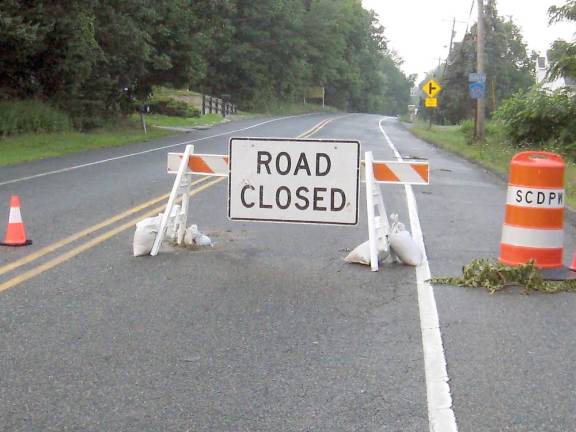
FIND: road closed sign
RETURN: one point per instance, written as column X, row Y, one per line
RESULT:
column 294, row 180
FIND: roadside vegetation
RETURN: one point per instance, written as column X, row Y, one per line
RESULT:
column 184, row 122
column 88, row 71
column 497, row 150
column 100, row 60
column 27, row 147
column 522, row 115
column 33, row 129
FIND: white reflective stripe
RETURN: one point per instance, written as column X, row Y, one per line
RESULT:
column 405, row 173
column 535, row 198
column 15, row 215
column 217, row 163
column 534, row 238
column 174, row 162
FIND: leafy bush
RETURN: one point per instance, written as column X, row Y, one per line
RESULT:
column 491, row 129
column 17, row 117
column 467, row 129
column 173, row 107
column 538, row 117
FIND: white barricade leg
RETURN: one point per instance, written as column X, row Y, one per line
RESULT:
column 378, row 225
column 180, row 177
column 183, row 219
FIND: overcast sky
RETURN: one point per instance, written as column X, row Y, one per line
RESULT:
column 419, row 30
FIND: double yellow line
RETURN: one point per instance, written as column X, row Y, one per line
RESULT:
column 35, row 271
column 316, row 128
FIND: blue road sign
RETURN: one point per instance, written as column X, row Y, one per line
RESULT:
column 477, row 77
column 477, row 90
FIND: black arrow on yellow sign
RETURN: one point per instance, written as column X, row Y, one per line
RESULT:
column 431, row 88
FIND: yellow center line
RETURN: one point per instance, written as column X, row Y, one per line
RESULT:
column 61, row 243
column 319, row 127
column 314, row 129
column 23, row 277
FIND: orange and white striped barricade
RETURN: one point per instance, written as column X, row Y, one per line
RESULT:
column 388, row 172
column 534, row 221
column 200, row 164
column 185, row 165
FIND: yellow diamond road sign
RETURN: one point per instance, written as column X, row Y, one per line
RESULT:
column 431, row 88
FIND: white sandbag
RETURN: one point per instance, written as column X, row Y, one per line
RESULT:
column 144, row 236
column 403, row 245
column 193, row 237
column 189, row 234
column 203, row 240
column 361, row 254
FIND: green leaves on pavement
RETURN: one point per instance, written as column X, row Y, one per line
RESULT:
column 495, row 276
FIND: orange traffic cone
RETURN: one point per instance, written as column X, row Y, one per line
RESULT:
column 15, row 233
column 573, row 265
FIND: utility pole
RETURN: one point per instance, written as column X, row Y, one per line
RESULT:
column 449, row 47
column 480, row 103
column 451, row 37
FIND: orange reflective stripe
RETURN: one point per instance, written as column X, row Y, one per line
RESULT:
column 197, row 164
column 537, row 169
column 541, row 218
column 516, row 255
column 422, row 170
column 383, row 173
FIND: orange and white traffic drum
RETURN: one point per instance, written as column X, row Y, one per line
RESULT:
column 534, row 222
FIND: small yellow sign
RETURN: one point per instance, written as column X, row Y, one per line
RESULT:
column 431, row 102
column 431, row 88
column 315, row 92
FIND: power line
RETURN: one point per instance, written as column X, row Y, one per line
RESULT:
column 461, row 47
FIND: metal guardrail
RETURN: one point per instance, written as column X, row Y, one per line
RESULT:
column 211, row 104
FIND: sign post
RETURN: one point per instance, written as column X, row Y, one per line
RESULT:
column 294, row 181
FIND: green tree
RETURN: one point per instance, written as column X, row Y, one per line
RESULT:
column 93, row 57
column 508, row 67
column 562, row 56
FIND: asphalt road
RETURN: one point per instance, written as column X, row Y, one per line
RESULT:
column 269, row 330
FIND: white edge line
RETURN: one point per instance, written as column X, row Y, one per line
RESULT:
column 75, row 167
column 441, row 416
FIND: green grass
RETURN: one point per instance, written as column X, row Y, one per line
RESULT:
column 169, row 121
column 29, row 116
column 159, row 91
column 495, row 154
column 34, row 146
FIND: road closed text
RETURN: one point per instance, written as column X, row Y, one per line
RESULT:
column 306, row 181
column 281, row 164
